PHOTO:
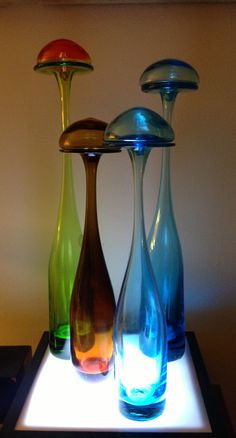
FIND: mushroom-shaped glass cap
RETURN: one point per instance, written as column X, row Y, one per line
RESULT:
column 137, row 128
column 63, row 53
column 169, row 75
column 85, row 137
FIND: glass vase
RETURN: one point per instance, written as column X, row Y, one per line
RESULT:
column 139, row 329
column 168, row 77
column 92, row 303
column 63, row 58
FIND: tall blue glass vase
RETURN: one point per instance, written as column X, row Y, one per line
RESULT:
column 139, row 328
column 168, row 77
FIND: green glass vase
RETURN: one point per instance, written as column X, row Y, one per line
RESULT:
column 63, row 58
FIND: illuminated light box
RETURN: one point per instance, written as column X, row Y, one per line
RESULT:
column 54, row 398
column 60, row 400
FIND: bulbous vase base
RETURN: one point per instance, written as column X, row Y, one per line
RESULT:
column 176, row 346
column 141, row 413
column 94, row 368
column 59, row 342
column 98, row 377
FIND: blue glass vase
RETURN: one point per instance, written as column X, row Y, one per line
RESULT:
column 140, row 341
column 168, row 77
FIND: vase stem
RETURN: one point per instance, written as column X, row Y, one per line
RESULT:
column 64, row 79
column 138, row 165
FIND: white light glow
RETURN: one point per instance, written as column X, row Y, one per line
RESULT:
column 145, row 367
column 60, row 400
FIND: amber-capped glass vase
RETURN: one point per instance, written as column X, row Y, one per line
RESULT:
column 63, row 58
column 92, row 303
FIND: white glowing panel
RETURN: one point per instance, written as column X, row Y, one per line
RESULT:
column 60, row 400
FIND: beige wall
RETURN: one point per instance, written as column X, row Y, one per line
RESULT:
column 122, row 41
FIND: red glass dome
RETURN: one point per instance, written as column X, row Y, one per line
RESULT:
column 63, row 51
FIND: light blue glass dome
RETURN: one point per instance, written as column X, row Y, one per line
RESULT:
column 170, row 74
column 138, row 128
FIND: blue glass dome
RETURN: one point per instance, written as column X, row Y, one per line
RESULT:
column 138, row 128
column 171, row 74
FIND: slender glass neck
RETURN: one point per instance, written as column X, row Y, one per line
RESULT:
column 91, row 222
column 168, row 101
column 67, row 200
column 138, row 161
column 165, row 195
column 64, row 78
